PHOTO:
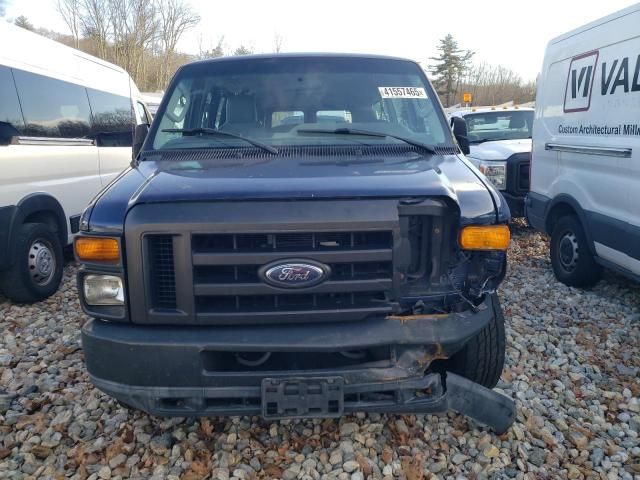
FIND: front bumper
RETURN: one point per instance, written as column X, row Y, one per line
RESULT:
column 168, row 370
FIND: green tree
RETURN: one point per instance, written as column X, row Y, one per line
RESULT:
column 24, row 22
column 449, row 67
column 213, row 52
column 242, row 50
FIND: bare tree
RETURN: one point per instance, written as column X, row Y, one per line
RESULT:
column 134, row 26
column 141, row 36
column 70, row 12
column 175, row 18
column 495, row 84
column 23, row 22
column 278, row 40
column 94, row 22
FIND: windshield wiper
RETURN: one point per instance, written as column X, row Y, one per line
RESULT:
column 213, row 131
column 369, row 133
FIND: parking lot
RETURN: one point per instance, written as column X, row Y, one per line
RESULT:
column 573, row 365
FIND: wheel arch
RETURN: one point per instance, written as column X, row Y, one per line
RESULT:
column 563, row 205
column 39, row 208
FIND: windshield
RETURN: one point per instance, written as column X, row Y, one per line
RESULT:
column 280, row 101
column 505, row 125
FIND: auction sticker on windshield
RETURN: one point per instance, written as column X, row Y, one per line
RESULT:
column 402, row 92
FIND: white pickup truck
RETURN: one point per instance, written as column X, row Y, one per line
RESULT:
column 500, row 142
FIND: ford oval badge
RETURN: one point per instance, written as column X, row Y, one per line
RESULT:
column 294, row 274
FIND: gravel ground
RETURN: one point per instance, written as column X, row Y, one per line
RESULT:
column 573, row 363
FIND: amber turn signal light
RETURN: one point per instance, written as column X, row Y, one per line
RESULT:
column 97, row 249
column 490, row 237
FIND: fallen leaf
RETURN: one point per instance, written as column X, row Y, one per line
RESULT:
column 114, row 449
column 413, row 468
column 272, row 471
column 199, row 467
column 127, row 436
column 28, row 420
column 41, row 452
column 365, row 466
column 206, row 427
column 387, row 455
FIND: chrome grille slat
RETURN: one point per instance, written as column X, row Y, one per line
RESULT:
column 327, row 256
column 225, row 289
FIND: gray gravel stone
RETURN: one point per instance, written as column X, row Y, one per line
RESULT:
column 350, row 466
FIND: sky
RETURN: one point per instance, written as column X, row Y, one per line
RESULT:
column 512, row 33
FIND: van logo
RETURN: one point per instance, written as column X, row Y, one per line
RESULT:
column 293, row 274
column 577, row 94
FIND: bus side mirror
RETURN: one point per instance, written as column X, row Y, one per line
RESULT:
column 460, row 132
column 139, row 136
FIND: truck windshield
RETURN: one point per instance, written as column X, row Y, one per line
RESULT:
column 295, row 101
column 499, row 125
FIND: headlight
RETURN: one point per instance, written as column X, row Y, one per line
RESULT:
column 103, row 290
column 496, row 174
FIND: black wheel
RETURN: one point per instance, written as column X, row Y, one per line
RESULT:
column 38, row 266
column 572, row 262
column 482, row 358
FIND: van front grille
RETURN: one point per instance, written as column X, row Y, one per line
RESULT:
column 206, row 265
column 162, row 273
column 523, row 176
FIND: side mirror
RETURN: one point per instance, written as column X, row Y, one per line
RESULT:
column 139, row 136
column 460, row 132
column 7, row 132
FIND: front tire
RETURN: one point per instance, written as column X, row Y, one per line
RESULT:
column 572, row 262
column 37, row 270
column 481, row 360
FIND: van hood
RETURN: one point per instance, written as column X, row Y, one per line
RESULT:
column 500, row 149
column 297, row 179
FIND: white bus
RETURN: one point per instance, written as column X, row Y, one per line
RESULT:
column 66, row 127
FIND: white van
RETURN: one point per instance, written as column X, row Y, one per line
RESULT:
column 585, row 179
column 66, row 126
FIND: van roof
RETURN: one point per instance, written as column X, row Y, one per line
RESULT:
column 596, row 23
column 300, row 55
column 35, row 53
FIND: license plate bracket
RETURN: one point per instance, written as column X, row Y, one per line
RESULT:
column 303, row 397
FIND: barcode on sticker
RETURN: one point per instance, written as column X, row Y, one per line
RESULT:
column 402, row 92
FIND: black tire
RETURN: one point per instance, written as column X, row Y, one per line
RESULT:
column 571, row 259
column 39, row 263
column 482, row 358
